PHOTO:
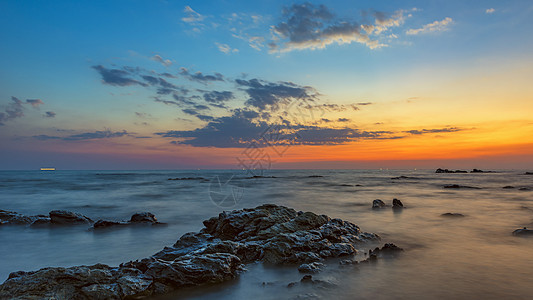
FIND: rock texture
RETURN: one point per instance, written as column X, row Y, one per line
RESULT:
column 13, row 218
column 378, row 203
column 138, row 218
column 396, row 203
column 65, row 217
column 269, row 233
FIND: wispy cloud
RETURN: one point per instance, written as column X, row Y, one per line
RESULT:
column 490, row 11
column 105, row 134
column 34, row 102
column 192, row 16
column 265, row 94
column 200, row 77
column 438, row 130
column 49, row 114
column 432, row 27
column 116, row 77
column 12, row 111
column 161, row 60
column 225, row 48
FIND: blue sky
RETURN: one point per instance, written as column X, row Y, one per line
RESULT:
column 340, row 52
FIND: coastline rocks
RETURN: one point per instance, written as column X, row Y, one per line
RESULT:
column 396, row 204
column 452, row 215
column 268, row 233
column 138, row 218
column 64, row 217
column 439, row 170
column 13, row 218
column 378, row 204
column 523, row 232
column 310, row 268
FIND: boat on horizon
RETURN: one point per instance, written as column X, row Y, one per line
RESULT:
column 48, row 169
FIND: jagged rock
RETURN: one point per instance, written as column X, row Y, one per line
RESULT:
column 13, row 218
column 63, row 217
column 310, row 268
column 397, row 203
column 523, row 231
column 388, row 248
column 268, row 233
column 453, row 215
column 378, row 204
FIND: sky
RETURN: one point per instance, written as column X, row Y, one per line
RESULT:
column 266, row 84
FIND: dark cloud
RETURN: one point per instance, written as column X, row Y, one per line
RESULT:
column 34, row 102
column 243, row 128
column 218, row 97
column 343, row 120
column 440, row 130
column 105, row 134
column 265, row 94
column 364, row 103
column 12, row 111
column 306, row 26
column 50, row 114
column 118, row 77
column 201, row 78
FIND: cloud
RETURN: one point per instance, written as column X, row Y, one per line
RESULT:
column 432, row 27
column 343, row 120
column 243, row 128
column 34, row 102
column 225, row 48
column 159, row 59
column 13, row 111
column 192, row 16
column 490, row 11
column 265, row 94
column 440, row 130
column 307, row 26
column 199, row 77
column 49, row 114
column 117, row 77
column 218, row 97
column 105, row 134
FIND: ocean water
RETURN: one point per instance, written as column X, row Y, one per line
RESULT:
column 454, row 258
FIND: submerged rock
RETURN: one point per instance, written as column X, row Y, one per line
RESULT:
column 508, row 187
column 456, row 186
column 397, row 203
column 13, row 218
column 439, row 170
column 138, row 218
column 528, row 173
column 523, row 231
column 378, row 203
column 452, row 215
column 310, row 268
column 269, row 233
column 64, row 217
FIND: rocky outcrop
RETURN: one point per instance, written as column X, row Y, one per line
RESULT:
column 269, row 233
column 13, row 218
column 65, row 217
column 378, row 203
column 138, row 218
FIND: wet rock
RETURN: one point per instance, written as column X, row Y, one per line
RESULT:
column 13, row 218
column 523, row 232
column 187, row 178
column 307, row 278
column 523, row 189
column 378, row 204
column 453, row 215
column 310, row 268
column 388, row 248
column 64, row 217
column 106, row 224
column 508, row 187
column 268, row 233
column 404, row 177
column 477, row 171
column 528, row 173
column 315, row 176
column 397, row 203
column 138, row 218
column 348, row 262
column 456, row 186
column 439, row 170
column 144, row 217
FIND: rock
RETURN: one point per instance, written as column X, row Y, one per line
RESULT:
column 523, row 189
column 138, row 218
column 310, row 268
column 528, row 173
column 315, row 176
column 439, row 170
column 453, row 215
column 378, row 204
column 144, row 217
column 387, row 250
column 403, row 177
column 268, row 233
column 456, row 186
column 307, row 278
column 348, row 262
column 397, row 203
column 187, row 178
column 476, row 171
column 13, row 218
column 508, row 187
column 63, row 217
column 523, row 232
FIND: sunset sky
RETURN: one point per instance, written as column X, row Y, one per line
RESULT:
column 271, row 84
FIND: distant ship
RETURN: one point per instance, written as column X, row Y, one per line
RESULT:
column 48, row 169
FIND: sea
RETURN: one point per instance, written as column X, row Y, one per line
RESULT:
column 470, row 257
